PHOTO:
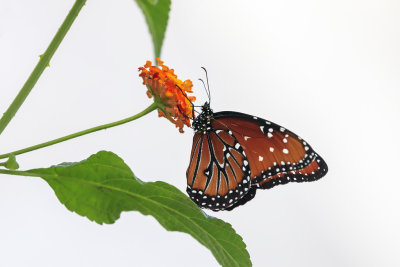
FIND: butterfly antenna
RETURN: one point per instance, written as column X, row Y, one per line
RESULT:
column 208, row 86
column 189, row 101
column 205, row 88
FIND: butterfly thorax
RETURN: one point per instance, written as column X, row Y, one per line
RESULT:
column 202, row 122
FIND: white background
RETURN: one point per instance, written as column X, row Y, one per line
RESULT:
column 327, row 70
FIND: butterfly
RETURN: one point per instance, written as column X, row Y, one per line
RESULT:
column 234, row 155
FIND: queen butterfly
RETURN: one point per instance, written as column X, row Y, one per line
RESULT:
column 234, row 154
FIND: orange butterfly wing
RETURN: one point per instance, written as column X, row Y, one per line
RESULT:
column 275, row 154
column 239, row 153
column 218, row 176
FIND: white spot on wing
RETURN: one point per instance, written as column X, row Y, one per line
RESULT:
column 269, row 135
column 260, row 158
column 284, row 140
column 271, row 149
column 285, row 151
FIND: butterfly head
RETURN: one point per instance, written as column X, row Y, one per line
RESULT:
column 203, row 121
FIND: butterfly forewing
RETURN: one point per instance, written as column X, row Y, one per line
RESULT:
column 276, row 155
column 218, row 175
column 313, row 171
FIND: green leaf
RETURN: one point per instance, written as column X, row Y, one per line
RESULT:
column 103, row 186
column 156, row 13
column 11, row 163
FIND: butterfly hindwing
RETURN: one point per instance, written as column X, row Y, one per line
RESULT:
column 218, row 176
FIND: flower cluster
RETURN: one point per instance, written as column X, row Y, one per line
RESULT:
column 169, row 93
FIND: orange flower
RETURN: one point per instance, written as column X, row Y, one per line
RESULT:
column 169, row 93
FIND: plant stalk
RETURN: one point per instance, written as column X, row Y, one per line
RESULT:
column 41, row 65
column 84, row 132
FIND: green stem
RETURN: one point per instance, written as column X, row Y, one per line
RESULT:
column 91, row 130
column 20, row 173
column 41, row 65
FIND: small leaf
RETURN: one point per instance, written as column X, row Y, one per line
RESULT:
column 11, row 163
column 156, row 13
column 103, row 186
